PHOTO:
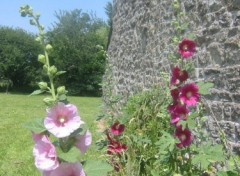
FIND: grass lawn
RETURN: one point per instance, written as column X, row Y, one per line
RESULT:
column 15, row 142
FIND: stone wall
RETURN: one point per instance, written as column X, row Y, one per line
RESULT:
column 140, row 44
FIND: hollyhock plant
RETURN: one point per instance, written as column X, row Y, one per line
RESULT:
column 117, row 129
column 179, row 113
column 189, row 94
column 83, row 141
column 62, row 120
column 116, row 148
column 187, row 48
column 45, row 154
column 178, row 76
column 184, row 136
column 66, row 169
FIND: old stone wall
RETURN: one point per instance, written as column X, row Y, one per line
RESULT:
column 141, row 41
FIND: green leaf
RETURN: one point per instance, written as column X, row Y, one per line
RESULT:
column 204, row 87
column 208, row 154
column 60, row 73
column 71, row 156
column 35, row 126
column 227, row 173
column 37, row 92
column 166, row 142
column 97, row 167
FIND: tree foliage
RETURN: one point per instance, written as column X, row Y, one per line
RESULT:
column 18, row 58
column 75, row 37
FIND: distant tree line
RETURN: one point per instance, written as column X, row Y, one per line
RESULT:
column 74, row 36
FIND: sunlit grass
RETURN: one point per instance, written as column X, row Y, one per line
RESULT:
column 15, row 142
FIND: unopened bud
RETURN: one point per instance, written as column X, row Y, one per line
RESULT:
column 61, row 90
column 38, row 39
column 42, row 85
column 42, row 58
column 45, row 68
column 48, row 101
column 32, row 22
column 53, row 70
column 49, row 47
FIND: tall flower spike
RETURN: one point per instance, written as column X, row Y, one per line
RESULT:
column 62, row 120
column 187, row 48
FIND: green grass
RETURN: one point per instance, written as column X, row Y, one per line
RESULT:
column 16, row 143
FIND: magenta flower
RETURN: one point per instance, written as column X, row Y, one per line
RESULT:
column 184, row 136
column 62, row 120
column 117, row 129
column 45, row 154
column 187, row 48
column 66, row 169
column 179, row 113
column 189, row 94
column 175, row 95
column 116, row 148
column 83, row 141
column 178, row 76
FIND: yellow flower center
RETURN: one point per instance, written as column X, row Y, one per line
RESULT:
column 185, row 47
column 62, row 119
column 183, row 137
column 189, row 94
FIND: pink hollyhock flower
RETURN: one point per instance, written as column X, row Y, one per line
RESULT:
column 83, row 141
column 184, row 136
column 175, row 95
column 178, row 76
column 179, row 113
column 116, row 148
column 67, row 169
column 187, row 48
column 62, row 120
column 37, row 137
column 117, row 128
column 45, row 154
column 189, row 94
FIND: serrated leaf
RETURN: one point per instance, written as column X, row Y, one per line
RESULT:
column 166, row 142
column 71, row 156
column 35, row 126
column 96, row 168
column 204, row 87
column 208, row 154
column 37, row 92
column 60, row 73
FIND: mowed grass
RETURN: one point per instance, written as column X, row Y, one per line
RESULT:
column 16, row 143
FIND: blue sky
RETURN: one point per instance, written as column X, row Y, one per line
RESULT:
column 10, row 16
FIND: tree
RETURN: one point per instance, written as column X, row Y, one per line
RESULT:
column 109, row 13
column 18, row 58
column 74, row 38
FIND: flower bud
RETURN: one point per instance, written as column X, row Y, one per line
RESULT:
column 48, row 101
column 41, row 58
column 49, row 47
column 45, row 68
column 33, row 22
column 42, row 85
column 61, row 90
column 53, row 70
column 38, row 39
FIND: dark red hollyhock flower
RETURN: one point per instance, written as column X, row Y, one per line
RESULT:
column 116, row 148
column 189, row 94
column 179, row 113
column 178, row 76
column 184, row 136
column 175, row 95
column 187, row 48
column 117, row 129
